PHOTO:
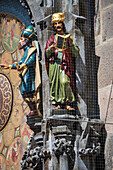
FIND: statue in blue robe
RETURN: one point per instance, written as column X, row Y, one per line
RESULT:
column 29, row 71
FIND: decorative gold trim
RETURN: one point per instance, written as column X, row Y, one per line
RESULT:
column 10, row 67
column 29, row 31
column 60, row 50
column 31, row 35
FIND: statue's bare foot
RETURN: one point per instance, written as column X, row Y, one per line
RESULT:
column 69, row 108
column 56, row 108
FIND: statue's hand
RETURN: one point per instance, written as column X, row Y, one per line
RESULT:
column 5, row 66
column 21, row 67
column 53, row 47
column 70, row 42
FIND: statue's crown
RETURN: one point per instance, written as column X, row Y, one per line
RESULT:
column 57, row 17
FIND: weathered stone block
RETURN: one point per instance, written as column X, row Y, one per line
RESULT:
column 105, row 72
column 60, row 129
column 106, row 106
column 105, row 3
column 97, row 40
column 109, row 152
column 107, row 24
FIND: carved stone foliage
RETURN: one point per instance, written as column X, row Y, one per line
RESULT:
column 31, row 158
column 63, row 146
column 73, row 140
column 89, row 143
column 35, row 154
column 78, row 139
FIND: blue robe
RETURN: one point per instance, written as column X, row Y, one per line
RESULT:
column 29, row 77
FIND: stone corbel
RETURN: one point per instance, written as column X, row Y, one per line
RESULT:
column 89, row 143
column 63, row 146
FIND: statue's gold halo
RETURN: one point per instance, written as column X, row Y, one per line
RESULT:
column 57, row 17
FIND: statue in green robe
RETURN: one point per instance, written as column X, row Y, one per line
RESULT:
column 59, row 53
